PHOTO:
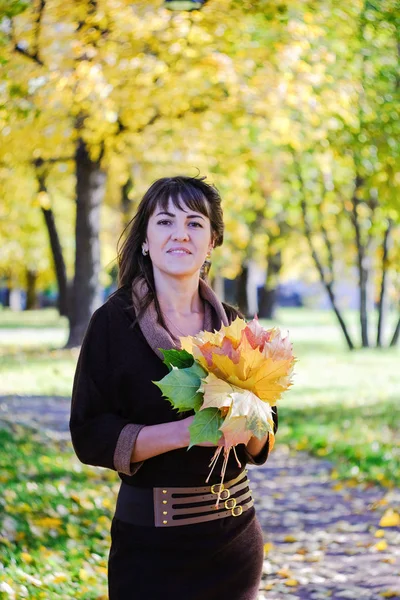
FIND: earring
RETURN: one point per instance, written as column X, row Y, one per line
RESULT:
column 144, row 251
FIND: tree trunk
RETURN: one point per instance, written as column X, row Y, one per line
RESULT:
column 126, row 202
column 362, row 268
column 267, row 306
column 327, row 284
column 396, row 335
column 58, row 260
column 86, row 292
column 31, row 292
column 241, row 292
column 55, row 245
column 382, row 295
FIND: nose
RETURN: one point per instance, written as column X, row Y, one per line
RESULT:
column 180, row 233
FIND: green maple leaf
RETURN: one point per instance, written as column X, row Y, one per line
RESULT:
column 205, row 427
column 177, row 358
column 181, row 387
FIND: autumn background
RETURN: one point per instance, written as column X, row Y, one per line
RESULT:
column 291, row 108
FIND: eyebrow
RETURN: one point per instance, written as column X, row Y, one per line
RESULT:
column 164, row 212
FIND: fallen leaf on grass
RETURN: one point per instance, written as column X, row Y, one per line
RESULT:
column 290, row 538
column 26, row 557
column 268, row 586
column 268, row 547
column 284, row 573
column 60, row 578
column 391, row 518
column 48, row 522
column 379, row 533
column 291, row 582
column 337, row 487
column 381, row 546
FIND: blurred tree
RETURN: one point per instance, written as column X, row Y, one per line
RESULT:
column 98, row 80
column 295, row 119
column 337, row 138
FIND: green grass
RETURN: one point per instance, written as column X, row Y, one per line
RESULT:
column 55, row 517
column 37, row 319
column 344, row 406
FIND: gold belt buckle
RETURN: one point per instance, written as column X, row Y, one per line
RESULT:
column 237, row 511
column 216, row 488
column 231, row 505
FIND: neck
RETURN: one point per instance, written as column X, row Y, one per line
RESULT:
column 178, row 296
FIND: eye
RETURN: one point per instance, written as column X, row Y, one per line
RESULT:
column 196, row 224
column 163, row 222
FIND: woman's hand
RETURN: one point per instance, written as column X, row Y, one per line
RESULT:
column 184, row 434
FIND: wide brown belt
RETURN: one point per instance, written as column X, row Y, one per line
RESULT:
column 171, row 504
column 174, row 506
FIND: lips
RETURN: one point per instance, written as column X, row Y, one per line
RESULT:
column 179, row 250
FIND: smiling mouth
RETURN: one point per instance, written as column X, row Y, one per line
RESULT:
column 179, row 252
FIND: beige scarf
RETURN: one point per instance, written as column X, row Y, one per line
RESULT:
column 158, row 337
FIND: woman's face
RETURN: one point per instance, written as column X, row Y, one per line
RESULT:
column 178, row 240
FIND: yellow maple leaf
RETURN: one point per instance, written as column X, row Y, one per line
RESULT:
column 28, row 558
column 48, row 522
column 234, row 330
column 381, row 546
column 391, row 518
column 284, row 572
column 379, row 533
column 60, row 578
column 268, row 547
column 247, row 356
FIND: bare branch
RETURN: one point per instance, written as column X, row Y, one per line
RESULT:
column 361, row 260
column 381, row 304
column 325, row 234
column 31, row 55
column 27, row 54
column 39, row 162
column 40, row 11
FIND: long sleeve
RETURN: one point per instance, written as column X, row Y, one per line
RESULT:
column 100, row 436
column 262, row 456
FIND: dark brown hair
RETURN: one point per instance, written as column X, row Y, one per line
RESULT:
column 191, row 192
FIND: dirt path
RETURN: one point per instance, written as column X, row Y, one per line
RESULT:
column 322, row 537
column 323, row 533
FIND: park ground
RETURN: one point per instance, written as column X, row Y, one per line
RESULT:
column 328, row 498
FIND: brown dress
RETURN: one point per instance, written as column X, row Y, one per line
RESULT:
column 113, row 387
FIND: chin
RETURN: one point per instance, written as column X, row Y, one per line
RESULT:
column 179, row 272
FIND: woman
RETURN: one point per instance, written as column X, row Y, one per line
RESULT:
column 168, row 540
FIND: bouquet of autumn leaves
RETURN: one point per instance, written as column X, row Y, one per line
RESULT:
column 231, row 379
